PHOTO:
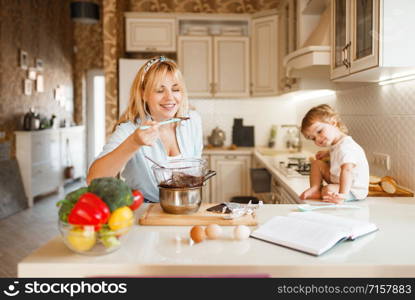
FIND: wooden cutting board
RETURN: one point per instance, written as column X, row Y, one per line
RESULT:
column 384, row 194
column 155, row 216
column 400, row 193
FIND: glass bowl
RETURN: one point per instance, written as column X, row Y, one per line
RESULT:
column 181, row 173
column 85, row 240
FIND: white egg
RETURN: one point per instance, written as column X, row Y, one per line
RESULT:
column 241, row 232
column 213, row 231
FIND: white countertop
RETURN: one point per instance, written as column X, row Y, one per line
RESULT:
column 167, row 250
column 294, row 185
column 227, row 151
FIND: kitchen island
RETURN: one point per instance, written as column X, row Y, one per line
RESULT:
column 168, row 251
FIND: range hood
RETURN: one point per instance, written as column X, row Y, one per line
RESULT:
column 313, row 58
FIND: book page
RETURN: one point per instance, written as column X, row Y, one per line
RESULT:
column 354, row 228
column 301, row 234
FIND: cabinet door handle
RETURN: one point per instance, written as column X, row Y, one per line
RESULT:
column 230, row 156
column 214, row 88
column 151, row 49
column 349, row 46
column 345, row 55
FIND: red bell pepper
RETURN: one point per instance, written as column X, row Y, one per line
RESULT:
column 89, row 210
column 138, row 198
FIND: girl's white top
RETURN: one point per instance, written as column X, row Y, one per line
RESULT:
column 137, row 172
column 348, row 151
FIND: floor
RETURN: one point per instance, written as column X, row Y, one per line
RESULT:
column 27, row 230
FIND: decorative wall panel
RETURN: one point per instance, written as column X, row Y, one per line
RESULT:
column 202, row 6
column 113, row 46
column 88, row 40
column 44, row 30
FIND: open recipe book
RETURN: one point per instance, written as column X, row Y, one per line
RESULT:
column 310, row 232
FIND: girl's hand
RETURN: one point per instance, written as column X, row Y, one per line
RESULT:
column 321, row 155
column 147, row 137
column 334, row 197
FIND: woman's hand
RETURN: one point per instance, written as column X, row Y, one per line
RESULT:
column 147, row 137
column 321, row 155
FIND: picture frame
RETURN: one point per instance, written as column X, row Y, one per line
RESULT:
column 27, row 87
column 39, row 64
column 31, row 73
column 40, row 86
column 23, row 60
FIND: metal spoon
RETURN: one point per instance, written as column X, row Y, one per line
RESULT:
column 178, row 119
column 157, row 164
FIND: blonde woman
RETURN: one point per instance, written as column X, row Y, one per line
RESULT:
column 347, row 174
column 157, row 94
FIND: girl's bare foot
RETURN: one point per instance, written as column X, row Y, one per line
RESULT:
column 311, row 193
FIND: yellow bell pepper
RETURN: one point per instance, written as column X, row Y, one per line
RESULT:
column 120, row 218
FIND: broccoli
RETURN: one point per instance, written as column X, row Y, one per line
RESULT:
column 113, row 191
column 67, row 204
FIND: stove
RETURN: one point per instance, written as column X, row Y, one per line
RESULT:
column 295, row 167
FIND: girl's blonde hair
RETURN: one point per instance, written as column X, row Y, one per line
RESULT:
column 322, row 113
column 146, row 81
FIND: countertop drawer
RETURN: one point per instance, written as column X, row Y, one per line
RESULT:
column 45, row 147
column 45, row 177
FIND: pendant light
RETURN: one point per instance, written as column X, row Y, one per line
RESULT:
column 85, row 12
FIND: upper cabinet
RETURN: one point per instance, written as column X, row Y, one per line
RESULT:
column 231, row 66
column 195, row 58
column 370, row 39
column 287, row 41
column 215, row 66
column 150, row 34
column 220, row 56
column 213, row 54
column 264, row 56
column 356, row 33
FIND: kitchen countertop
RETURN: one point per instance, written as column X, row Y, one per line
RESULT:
column 294, row 185
column 227, row 151
column 167, row 250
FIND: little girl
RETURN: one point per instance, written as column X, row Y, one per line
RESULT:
column 347, row 172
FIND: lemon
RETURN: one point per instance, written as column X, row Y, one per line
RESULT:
column 120, row 218
column 81, row 240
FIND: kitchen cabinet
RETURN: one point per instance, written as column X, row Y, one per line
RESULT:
column 232, row 178
column 280, row 193
column 356, row 46
column 38, row 155
column 215, row 66
column 147, row 34
column 196, row 63
column 287, row 30
column 264, row 56
column 370, row 39
column 42, row 157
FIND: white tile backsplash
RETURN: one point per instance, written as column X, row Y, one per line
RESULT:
column 380, row 119
column 261, row 113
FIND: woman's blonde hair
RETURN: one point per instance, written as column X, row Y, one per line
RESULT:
column 145, row 82
column 322, row 113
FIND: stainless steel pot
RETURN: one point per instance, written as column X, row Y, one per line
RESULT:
column 182, row 201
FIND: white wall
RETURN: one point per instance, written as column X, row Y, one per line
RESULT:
column 261, row 113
